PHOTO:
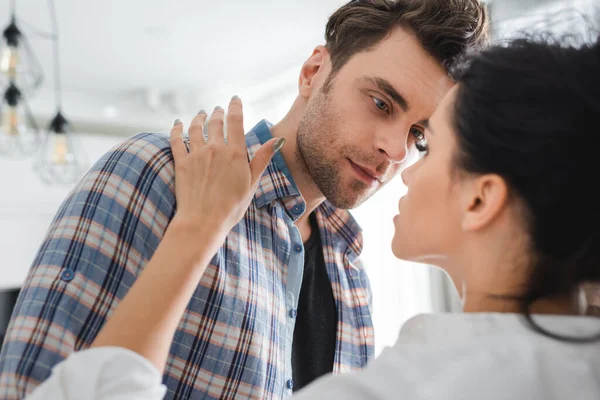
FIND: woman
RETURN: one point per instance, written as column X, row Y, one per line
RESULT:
column 500, row 199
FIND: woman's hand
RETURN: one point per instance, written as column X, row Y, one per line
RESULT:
column 214, row 183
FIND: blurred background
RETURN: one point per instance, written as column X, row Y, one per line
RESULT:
column 92, row 73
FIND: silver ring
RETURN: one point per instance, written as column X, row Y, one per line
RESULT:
column 205, row 130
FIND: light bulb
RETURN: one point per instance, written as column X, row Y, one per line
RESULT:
column 16, row 139
column 9, row 61
column 18, row 64
column 61, row 159
column 12, row 122
column 61, row 154
column 18, row 134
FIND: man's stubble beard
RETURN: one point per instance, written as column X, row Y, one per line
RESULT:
column 315, row 142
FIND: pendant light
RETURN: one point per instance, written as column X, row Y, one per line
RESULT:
column 61, row 159
column 19, row 136
column 18, row 63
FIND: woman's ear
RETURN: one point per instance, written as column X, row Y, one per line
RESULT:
column 314, row 71
column 483, row 201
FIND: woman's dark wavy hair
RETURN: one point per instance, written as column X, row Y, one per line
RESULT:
column 529, row 111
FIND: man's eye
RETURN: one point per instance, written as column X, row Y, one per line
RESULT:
column 382, row 105
column 417, row 133
column 420, row 140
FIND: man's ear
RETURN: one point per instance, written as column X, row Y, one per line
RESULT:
column 314, row 71
column 483, row 200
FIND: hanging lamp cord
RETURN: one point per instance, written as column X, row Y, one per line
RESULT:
column 57, row 79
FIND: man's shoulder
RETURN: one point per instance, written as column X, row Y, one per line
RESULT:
column 144, row 142
column 138, row 162
column 156, row 139
column 136, row 153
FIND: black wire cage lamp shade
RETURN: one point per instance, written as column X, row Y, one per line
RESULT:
column 61, row 160
column 19, row 135
column 18, row 63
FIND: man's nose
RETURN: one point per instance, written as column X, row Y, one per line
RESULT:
column 392, row 144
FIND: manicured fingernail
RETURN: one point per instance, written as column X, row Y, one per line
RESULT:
column 236, row 97
column 201, row 112
column 218, row 108
column 278, row 144
column 177, row 122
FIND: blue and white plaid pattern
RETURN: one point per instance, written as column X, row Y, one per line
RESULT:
column 234, row 340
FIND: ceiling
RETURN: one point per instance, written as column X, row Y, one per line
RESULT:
column 135, row 65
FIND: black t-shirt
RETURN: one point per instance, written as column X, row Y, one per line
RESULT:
column 313, row 348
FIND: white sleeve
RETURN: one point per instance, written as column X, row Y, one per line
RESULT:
column 102, row 373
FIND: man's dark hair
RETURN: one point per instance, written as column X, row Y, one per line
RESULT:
column 447, row 29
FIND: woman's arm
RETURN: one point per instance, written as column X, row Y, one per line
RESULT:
column 147, row 318
column 214, row 185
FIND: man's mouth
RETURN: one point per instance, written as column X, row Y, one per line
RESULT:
column 365, row 174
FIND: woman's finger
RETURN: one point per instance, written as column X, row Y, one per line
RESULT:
column 196, row 130
column 235, row 124
column 263, row 157
column 215, row 126
column 176, row 140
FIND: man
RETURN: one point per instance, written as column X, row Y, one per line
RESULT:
column 285, row 299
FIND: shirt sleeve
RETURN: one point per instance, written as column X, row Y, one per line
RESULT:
column 102, row 236
column 104, row 373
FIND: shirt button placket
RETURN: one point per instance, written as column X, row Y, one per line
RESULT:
column 297, row 210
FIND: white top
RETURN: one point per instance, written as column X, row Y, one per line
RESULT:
column 102, row 373
column 437, row 356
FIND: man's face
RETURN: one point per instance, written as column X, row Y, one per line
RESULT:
column 359, row 129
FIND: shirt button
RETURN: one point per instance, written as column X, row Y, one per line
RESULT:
column 298, row 248
column 67, row 275
column 290, row 384
column 293, row 313
column 297, row 210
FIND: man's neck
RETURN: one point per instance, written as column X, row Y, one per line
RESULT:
column 288, row 129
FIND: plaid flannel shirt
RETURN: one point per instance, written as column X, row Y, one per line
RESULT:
column 235, row 338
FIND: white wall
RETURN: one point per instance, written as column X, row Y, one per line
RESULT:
column 400, row 289
column 27, row 207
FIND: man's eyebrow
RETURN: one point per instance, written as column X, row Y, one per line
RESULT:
column 385, row 86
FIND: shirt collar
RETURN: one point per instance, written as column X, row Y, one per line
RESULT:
column 342, row 225
column 277, row 184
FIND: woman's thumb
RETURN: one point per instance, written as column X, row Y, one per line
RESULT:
column 263, row 157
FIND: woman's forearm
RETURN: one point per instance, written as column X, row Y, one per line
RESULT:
column 214, row 184
column 147, row 318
